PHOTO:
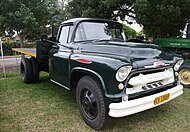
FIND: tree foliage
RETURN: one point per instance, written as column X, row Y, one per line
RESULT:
column 100, row 8
column 26, row 16
column 162, row 18
column 131, row 33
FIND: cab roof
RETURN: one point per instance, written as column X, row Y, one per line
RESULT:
column 75, row 21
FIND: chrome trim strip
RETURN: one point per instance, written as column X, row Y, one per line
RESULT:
column 60, row 84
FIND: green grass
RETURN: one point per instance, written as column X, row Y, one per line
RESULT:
column 47, row 107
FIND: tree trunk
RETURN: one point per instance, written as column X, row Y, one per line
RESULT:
column 21, row 41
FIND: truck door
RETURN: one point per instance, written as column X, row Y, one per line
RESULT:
column 60, row 56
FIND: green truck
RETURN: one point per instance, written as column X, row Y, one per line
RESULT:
column 179, row 46
column 109, row 76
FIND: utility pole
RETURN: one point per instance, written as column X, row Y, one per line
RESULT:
column 2, row 57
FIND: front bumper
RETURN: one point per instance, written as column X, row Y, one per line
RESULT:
column 126, row 108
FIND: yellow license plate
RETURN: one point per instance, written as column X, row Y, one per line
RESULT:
column 161, row 99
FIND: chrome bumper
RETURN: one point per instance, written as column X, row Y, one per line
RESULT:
column 126, row 108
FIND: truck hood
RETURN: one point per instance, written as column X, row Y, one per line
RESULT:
column 137, row 54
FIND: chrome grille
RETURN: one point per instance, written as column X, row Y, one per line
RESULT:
column 152, row 85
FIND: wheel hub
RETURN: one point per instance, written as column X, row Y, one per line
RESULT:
column 89, row 104
column 184, row 76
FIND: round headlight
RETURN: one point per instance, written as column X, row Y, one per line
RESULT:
column 178, row 64
column 123, row 72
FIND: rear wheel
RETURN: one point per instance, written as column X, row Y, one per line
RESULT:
column 91, row 103
column 184, row 75
column 26, row 70
column 35, row 70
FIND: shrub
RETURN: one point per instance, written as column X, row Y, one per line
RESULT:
column 7, row 47
column 131, row 33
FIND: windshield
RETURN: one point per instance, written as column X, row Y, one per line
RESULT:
column 98, row 31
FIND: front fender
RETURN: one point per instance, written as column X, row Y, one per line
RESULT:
column 103, row 68
column 98, row 76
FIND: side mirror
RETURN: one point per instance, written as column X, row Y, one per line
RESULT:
column 55, row 46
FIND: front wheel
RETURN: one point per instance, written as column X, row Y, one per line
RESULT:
column 91, row 103
column 184, row 75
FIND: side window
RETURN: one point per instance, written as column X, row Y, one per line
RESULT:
column 64, row 34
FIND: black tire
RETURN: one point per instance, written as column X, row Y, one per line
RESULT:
column 26, row 70
column 35, row 70
column 90, row 101
column 184, row 75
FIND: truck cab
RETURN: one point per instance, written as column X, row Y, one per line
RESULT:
column 110, row 76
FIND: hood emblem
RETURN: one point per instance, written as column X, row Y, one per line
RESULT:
column 157, row 64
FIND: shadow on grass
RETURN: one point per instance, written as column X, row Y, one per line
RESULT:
column 46, row 88
column 137, row 121
column 59, row 105
column 142, row 120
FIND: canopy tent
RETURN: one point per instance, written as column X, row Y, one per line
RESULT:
column 2, row 57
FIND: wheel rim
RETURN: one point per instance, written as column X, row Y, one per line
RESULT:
column 89, row 103
column 184, row 76
column 22, row 70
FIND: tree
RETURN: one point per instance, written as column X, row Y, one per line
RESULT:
column 162, row 18
column 26, row 17
column 100, row 8
column 131, row 33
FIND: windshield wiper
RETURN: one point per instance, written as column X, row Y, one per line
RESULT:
column 112, row 39
column 99, row 40
column 117, row 39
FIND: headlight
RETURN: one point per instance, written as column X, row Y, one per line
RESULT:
column 178, row 64
column 123, row 72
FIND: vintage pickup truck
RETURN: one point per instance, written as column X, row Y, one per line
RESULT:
column 110, row 76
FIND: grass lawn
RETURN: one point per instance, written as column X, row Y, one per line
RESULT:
column 47, row 107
